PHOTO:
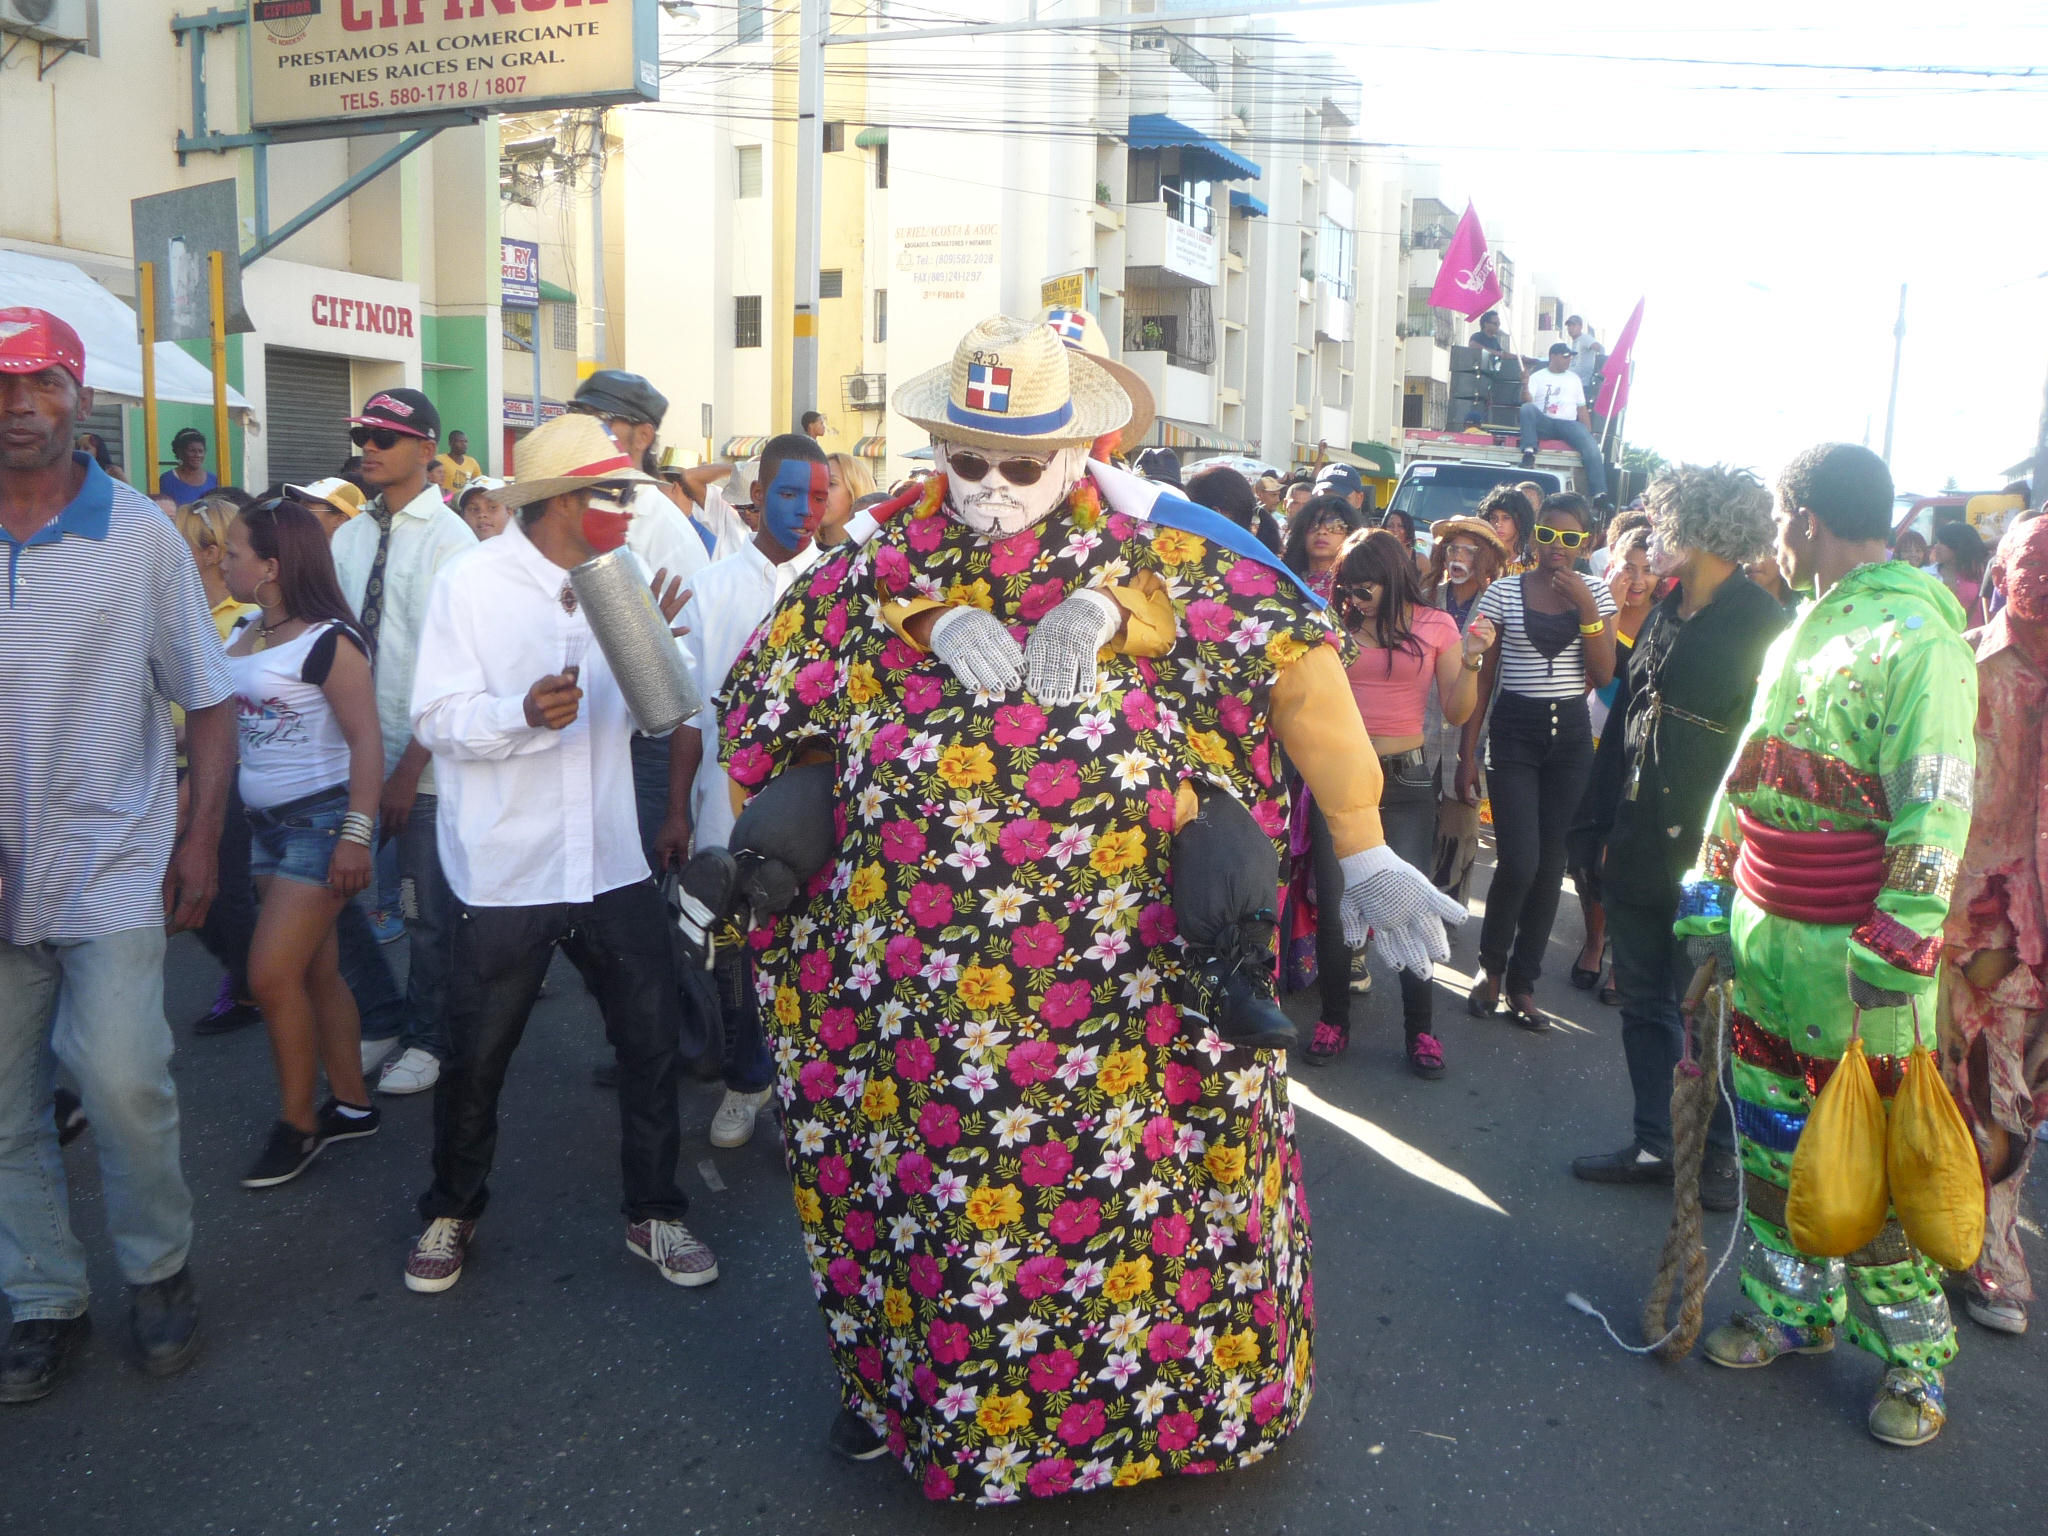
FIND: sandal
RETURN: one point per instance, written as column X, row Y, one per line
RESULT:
column 1328, row 1043
column 1585, row 979
column 1426, row 1055
column 1483, row 1000
column 1524, row 1014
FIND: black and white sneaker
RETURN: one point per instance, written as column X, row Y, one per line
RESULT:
column 334, row 1124
column 853, row 1438
column 699, row 897
column 284, row 1158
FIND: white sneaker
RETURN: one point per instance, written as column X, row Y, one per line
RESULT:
column 374, row 1052
column 733, row 1125
column 414, row 1072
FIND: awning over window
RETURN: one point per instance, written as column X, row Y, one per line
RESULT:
column 737, row 448
column 1168, row 433
column 874, row 446
column 871, row 138
column 1199, row 154
column 1381, row 457
column 1244, row 202
column 555, row 293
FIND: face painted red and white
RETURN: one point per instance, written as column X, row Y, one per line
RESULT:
column 606, row 517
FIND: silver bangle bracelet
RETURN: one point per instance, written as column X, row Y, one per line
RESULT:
column 351, row 835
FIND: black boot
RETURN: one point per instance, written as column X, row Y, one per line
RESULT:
column 165, row 1319
column 1233, row 989
column 37, row 1353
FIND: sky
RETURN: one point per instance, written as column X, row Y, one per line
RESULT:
column 1770, row 278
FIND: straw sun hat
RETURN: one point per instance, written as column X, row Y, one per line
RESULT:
column 1014, row 384
column 1472, row 528
column 1082, row 332
column 570, row 453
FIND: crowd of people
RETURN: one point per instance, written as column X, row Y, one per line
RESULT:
column 907, row 879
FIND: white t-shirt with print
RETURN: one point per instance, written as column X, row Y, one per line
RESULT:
column 1558, row 395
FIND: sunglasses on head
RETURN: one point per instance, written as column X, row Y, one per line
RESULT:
column 383, row 437
column 973, row 466
column 1566, row 538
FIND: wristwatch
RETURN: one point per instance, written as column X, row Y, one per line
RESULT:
column 1474, row 662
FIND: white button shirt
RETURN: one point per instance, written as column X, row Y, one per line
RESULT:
column 724, row 524
column 425, row 536
column 529, row 816
column 728, row 601
column 662, row 537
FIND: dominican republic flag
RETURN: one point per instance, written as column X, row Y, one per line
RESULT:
column 1153, row 501
column 988, row 387
column 1067, row 324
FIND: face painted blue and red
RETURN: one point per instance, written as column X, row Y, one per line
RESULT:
column 792, row 504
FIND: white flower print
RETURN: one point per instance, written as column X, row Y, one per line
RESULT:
column 809, row 1137
column 1113, row 903
column 940, row 969
column 1145, row 1199
column 1116, row 1162
column 990, row 1255
column 1151, row 1401
column 1003, row 905
column 864, row 977
column 978, row 1035
column 1093, row 1475
column 903, row 1232
column 921, row 750
column 1125, row 1330
column 949, row 1188
column 1132, row 768
column 1093, row 728
column 985, row 1296
column 968, row 858
column 1118, row 1369
column 966, row 815
column 1110, row 946
column 1196, row 674
column 975, row 1080
column 1245, row 1086
column 1013, row 1125
column 1071, row 844
column 1141, row 986
column 1080, row 1062
column 1022, row 1336
column 1086, row 1277
column 956, row 1400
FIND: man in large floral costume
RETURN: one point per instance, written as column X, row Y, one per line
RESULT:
column 1059, row 1239
column 1822, row 886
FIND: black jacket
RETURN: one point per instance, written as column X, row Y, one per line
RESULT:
column 1705, row 667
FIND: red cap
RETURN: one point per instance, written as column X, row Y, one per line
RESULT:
column 34, row 339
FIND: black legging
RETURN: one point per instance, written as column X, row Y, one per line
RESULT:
column 1539, row 754
column 1408, row 794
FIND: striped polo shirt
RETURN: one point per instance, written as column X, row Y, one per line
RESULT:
column 104, row 627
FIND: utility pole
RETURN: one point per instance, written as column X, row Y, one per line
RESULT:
column 599, row 340
column 1891, row 407
column 814, row 22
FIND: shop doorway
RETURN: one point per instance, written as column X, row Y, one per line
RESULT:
column 308, row 400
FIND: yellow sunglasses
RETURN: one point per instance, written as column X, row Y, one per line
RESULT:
column 1566, row 537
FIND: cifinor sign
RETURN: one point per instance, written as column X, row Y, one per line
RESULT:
column 350, row 66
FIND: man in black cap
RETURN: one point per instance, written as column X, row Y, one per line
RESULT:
column 1160, row 464
column 1341, row 480
column 1554, row 405
column 387, row 560
column 632, row 410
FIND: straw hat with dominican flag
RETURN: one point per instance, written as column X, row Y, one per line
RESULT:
column 570, row 453
column 1082, row 332
column 1014, row 384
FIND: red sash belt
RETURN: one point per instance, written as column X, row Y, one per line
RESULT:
column 1809, row 877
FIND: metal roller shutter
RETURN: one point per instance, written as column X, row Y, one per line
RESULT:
column 309, row 406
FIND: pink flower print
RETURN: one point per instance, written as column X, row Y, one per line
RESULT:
column 1019, row 725
column 1066, row 1004
column 1160, row 1135
column 939, row 1124
column 1022, row 841
column 889, row 741
column 1040, row 598
column 814, row 971
column 1168, row 1341
column 834, row 1177
column 1170, row 1236
column 827, row 576
column 860, row 1230
column 1050, row 1479
column 921, row 692
column 1262, row 763
column 749, row 765
column 1162, row 1023
column 1156, row 924
column 1234, row 711
column 1271, row 818
column 1183, row 1083
column 1047, row 1163
column 814, row 682
column 835, row 624
column 1141, row 710
column 1041, row 1276
column 930, row 904
column 915, row 1061
column 1009, row 556
column 818, row 1080
column 1248, row 578
column 904, row 956
column 914, row 1173
column 844, row 1275
column 1176, row 1431
column 1037, row 945
column 925, row 1276
column 1161, row 810
column 938, row 1482
column 947, row 1341
column 1119, row 526
column 1054, row 1371
column 1081, row 1423
column 902, row 842
column 1032, row 1061
column 1208, row 619
column 1075, row 1221
column 1264, row 1309
column 899, row 655
column 867, row 1359
column 1052, row 784
column 925, row 534
column 835, row 1028
column 925, row 1383
column 1193, row 1289
column 1268, row 1401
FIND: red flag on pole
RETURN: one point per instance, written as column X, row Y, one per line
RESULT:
column 1620, row 362
column 1467, row 281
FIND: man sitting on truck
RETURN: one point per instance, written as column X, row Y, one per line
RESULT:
column 1554, row 405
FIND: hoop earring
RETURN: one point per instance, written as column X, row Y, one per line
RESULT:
column 268, row 581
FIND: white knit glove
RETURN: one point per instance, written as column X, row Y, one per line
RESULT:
column 978, row 650
column 1059, row 658
column 1398, row 903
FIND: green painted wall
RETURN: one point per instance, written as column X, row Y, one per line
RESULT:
column 173, row 419
column 461, row 389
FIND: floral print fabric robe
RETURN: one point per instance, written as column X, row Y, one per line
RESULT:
column 1057, row 1244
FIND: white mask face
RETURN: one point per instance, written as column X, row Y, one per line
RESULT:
column 995, row 507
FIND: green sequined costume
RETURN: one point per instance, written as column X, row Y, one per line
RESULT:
column 1864, row 720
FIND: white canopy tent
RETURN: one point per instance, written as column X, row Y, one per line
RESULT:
column 113, row 356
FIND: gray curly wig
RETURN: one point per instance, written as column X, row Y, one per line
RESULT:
column 1713, row 508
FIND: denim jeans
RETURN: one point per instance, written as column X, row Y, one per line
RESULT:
column 650, row 790
column 501, row 955
column 231, row 920
column 1651, row 971
column 749, row 1065
column 428, row 906
column 379, row 999
column 1539, row 752
column 97, row 1006
column 1537, row 426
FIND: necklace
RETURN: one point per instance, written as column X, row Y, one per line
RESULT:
column 265, row 631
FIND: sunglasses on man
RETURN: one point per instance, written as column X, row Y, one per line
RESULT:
column 383, row 437
column 1019, row 472
column 1564, row 538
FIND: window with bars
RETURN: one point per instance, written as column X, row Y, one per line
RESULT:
column 746, row 320
column 747, row 172
column 565, row 327
column 832, row 284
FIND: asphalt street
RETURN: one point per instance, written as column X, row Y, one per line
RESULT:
column 562, row 1387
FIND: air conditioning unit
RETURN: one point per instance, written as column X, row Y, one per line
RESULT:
column 47, row 21
column 866, row 391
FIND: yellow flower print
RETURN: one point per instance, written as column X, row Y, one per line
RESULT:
column 784, row 629
column 785, row 1005
column 1133, row 1277
column 973, row 594
column 1121, row 1070
column 808, row 1209
column 1210, row 748
column 867, row 886
column 1173, row 547
column 1272, row 1185
column 861, row 686
column 994, row 1205
column 1001, row 1415
column 1225, row 1163
column 1283, row 648
column 964, row 766
column 896, row 1307
column 1115, row 852
column 1236, row 1349
column 986, row 986
column 1131, row 1473
column 878, row 1099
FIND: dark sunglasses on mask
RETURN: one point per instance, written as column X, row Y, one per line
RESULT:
column 1566, row 538
column 383, row 437
column 972, row 466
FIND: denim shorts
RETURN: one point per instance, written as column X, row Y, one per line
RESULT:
column 295, row 840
